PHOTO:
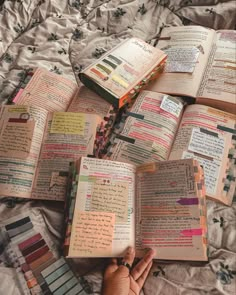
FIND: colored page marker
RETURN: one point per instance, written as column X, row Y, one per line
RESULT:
column 16, row 98
column 188, row 201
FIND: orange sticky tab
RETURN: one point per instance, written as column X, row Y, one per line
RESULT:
column 220, row 113
column 205, row 241
column 202, row 221
column 31, row 283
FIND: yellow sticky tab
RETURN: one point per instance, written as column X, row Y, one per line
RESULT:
column 18, row 109
column 68, row 123
column 120, row 81
column 150, row 167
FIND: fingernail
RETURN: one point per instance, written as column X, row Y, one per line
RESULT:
column 151, row 253
column 130, row 250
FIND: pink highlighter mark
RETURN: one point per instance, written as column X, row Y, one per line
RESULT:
column 191, row 232
column 188, row 201
column 15, row 99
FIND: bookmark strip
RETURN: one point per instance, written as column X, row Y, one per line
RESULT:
column 20, row 229
column 134, row 115
column 226, row 129
column 57, row 273
column 36, row 263
column 30, row 241
column 125, row 138
column 61, row 281
column 33, row 248
column 17, row 223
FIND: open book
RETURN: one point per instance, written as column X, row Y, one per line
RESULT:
column 36, row 148
column 158, row 128
column 200, row 64
column 47, row 90
column 156, row 205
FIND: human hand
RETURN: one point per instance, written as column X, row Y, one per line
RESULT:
column 119, row 280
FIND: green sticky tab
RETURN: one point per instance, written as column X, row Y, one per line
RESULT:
column 226, row 129
column 84, row 178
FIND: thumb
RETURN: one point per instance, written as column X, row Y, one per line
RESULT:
column 128, row 258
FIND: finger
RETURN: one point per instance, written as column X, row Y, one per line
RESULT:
column 138, row 270
column 128, row 258
column 141, row 280
column 112, row 267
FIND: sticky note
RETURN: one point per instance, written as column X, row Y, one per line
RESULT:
column 206, row 144
column 16, row 139
column 57, row 179
column 92, row 234
column 111, row 197
column 68, row 123
column 171, row 106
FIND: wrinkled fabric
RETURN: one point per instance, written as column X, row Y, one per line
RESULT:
column 66, row 36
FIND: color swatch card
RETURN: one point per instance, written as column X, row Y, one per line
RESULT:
column 28, row 248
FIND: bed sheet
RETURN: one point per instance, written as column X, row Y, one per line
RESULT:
column 64, row 37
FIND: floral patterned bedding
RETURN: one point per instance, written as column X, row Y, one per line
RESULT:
column 64, row 37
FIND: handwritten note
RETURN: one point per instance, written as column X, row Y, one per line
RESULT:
column 68, row 123
column 111, row 197
column 206, row 144
column 211, row 171
column 16, row 138
column 181, row 60
column 58, row 180
column 171, row 106
column 92, row 234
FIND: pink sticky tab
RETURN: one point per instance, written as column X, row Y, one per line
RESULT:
column 191, row 232
column 18, row 95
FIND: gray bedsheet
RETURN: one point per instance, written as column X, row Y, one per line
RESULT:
column 64, row 37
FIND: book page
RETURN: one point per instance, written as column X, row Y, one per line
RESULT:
column 207, row 135
column 149, row 129
column 87, row 101
column 61, row 146
column 183, row 80
column 49, row 91
column 92, row 234
column 219, row 79
column 169, row 210
column 16, row 138
column 17, row 173
column 106, row 186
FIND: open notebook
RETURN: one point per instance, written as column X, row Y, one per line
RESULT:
column 113, row 205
